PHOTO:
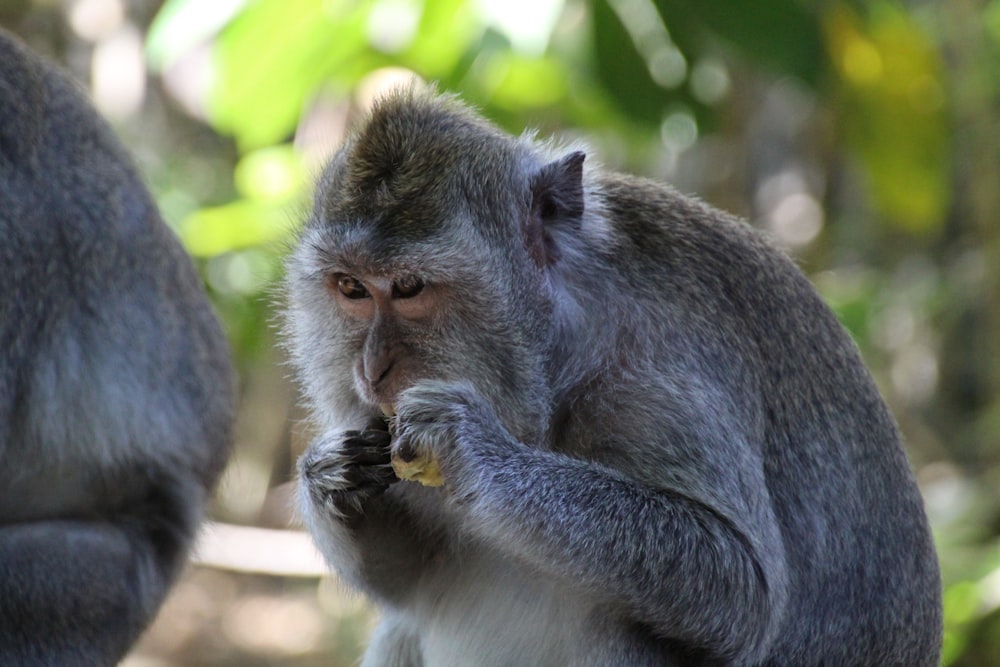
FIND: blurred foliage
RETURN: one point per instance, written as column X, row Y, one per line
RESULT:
column 894, row 111
column 635, row 62
column 862, row 134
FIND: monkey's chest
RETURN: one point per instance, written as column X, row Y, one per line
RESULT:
column 487, row 611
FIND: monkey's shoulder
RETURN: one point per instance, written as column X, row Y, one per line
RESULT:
column 63, row 168
column 656, row 219
column 22, row 90
column 39, row 107
column 56, row 152
column 672, row 243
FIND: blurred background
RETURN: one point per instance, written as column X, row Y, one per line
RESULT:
column 864, row 135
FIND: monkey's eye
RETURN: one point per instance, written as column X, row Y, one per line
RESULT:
column 349, row 286
column 407, row 287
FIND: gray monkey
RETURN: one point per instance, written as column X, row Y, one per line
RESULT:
column 658, row 445
column 116, row 390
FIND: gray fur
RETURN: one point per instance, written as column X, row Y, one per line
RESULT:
column 115, row 382
column 659, row 445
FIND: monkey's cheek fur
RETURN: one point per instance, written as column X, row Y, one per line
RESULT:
column 424, row 469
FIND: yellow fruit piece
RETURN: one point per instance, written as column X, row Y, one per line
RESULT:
column 423, row 469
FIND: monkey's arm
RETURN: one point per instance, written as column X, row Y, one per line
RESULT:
column 80, row 591
column 704, row 573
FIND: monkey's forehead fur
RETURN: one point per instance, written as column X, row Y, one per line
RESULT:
column 421, row 158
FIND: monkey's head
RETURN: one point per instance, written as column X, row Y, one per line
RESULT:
column 429, row 255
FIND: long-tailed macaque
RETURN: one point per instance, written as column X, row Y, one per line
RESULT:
column 657, row 445
column 115, row 382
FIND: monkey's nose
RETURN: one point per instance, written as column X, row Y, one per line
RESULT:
column 376, row 370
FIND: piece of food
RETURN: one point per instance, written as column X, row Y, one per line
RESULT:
column 423, row 469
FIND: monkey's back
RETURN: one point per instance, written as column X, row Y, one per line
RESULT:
column 863, row 573
column 103, row 321
column 115, row 382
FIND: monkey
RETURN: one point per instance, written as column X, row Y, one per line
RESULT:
column 116, row 386
column 658, row 444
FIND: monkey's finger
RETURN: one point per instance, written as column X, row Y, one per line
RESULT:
column 369, row 478
column 405, row 450
column 382, row 438
column 380, row 424
column 369, row 437
column 382, row 475
column 366, row 453
column 370, row 456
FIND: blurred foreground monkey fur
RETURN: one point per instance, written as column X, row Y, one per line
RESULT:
column 115, row 382
column 658, row 446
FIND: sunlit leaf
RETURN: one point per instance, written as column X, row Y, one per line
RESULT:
column 894, row 112
column 447, row 28
column 519, row 82
column 961, row 601
column 952, row 646
column 240, row 224
column 961, row 604
column 271, row 174
column 273, row 57
column 182, row 24
column 991, row 19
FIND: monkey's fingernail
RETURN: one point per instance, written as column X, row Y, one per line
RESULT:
column 387, row 409
column 405, row 452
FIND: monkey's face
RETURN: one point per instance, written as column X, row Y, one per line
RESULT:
column 388, row 315
column 373, row 315
column 415, row 266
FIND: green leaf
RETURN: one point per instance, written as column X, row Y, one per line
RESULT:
column 622, row 70
column 519, row 82
column 273, row 174
column 780, row 34
column 240, row 224
column 273, row 57
column 961, row 603
column 446, row 30
column 894, row 112
column 183, row 24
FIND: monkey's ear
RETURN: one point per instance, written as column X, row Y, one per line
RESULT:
column 556, row 200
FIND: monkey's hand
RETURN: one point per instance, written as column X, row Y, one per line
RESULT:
column 447, row 426
column 343, row 471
